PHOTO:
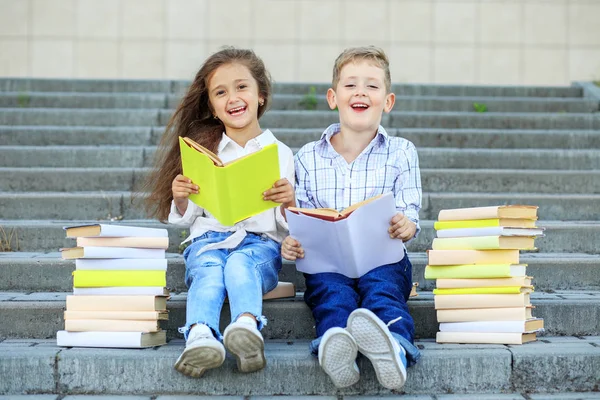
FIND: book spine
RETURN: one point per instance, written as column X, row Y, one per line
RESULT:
column 458, row 301
column 105, row 325
column 119, row 278
column 114, row 303
column 466, row 271
column 479, row 338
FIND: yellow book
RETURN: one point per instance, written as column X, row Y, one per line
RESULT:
column 474, row 271
column 99, row 278
column 485, row 223
column 485, row 290
column 519, row 281
column 233, row 191
column 484, row 243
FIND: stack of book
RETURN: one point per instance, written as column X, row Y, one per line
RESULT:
column 119, row 294
column 482, row 290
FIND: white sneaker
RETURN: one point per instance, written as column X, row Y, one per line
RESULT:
column 375, row 341
column 245, row 342
column 202, row 352
column 337, row 357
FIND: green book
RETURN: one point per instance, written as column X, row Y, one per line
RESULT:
column 474, row 271
column 104, row 278
column 231, row 192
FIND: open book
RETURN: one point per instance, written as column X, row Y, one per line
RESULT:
column 233, row 191
column 350, row 243
column 329, row 214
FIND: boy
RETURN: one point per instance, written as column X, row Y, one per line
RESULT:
column 353, row 161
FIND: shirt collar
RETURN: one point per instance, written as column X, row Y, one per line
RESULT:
column 262, row 140
column 325, row 141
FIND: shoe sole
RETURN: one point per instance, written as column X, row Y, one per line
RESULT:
column 195, row 361
column 374, row 341
column 337, row 356
column 248, row 349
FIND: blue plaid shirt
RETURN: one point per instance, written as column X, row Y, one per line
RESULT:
column 388, row 164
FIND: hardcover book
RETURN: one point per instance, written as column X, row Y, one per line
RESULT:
column 230, row 192
column 133, row 340
column 107, row 230
column 493, row 212
column 350, row 244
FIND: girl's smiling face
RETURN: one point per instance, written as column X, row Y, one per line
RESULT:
column 234, row 97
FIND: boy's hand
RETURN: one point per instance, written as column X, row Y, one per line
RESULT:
column 402, row 228
column 182, row 187
column 291, row 249
column 281, row 192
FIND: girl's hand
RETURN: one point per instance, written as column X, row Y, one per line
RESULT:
column 281, row 192
column 291, row 249
column 402, row 228
column 182, row 187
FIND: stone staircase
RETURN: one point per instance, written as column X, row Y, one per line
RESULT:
column 74, row 151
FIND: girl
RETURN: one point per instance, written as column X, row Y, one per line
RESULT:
column 220, row 111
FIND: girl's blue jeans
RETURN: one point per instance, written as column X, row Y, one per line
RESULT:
column 243, row 274
column 383, row 290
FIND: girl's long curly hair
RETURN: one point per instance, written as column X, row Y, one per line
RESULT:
column 194, row 118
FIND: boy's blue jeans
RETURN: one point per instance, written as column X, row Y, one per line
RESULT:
column 383, row 290
column 243, row 274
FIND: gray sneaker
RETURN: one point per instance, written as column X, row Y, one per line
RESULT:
column 375, row 341
column 202, row 352
column 337, row 357
column 245, row 342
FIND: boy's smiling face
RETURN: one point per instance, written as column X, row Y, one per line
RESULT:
column 361, row 96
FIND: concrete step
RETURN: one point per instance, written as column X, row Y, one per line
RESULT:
column 421, row 137
column 429, row 157
column 478, row 396
column 76, row 136
column 38, row 366
column 43, row 236
column 576, row 207
column 180, row 86
column 446, row 90
column 103, row 205
column 297, row 102
column 40, row 315
column 87, row 85
column 433, row 180
column 47, row 272
column 95, row 100
column 306, row 119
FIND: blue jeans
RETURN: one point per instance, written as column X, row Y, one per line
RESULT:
column 383, row 290
column 243, row 274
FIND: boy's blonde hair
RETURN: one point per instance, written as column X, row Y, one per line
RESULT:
column 365, row 53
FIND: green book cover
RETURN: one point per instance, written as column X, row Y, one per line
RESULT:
column 234, row 191
column 474, row 271
column 484, row 290
column 103, row 278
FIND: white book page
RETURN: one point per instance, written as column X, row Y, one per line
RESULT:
column 106, row 264
column 121, row 291
column 371, row 242
column 489, row 231
column 320, row 240
column 352, row 246
column 122, row 252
